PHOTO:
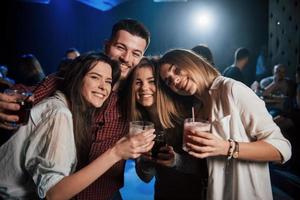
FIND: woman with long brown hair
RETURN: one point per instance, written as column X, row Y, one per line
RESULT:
column 243, row 137
column 41, row 157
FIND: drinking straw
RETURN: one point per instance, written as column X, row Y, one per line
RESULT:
column 193, row 114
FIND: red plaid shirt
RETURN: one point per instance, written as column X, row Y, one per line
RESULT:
column 110, row 126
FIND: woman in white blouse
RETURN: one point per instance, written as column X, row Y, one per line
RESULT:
column 40, row 158
column 243, row 138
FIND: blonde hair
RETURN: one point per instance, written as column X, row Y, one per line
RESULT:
column 201, row 71
column 135, row 111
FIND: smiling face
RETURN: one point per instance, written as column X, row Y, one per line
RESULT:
column 144, row 86
column 126, row 48
column 177, row 80
column 97, row 84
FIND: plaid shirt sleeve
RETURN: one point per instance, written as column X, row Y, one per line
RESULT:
column 44, row 89
column 110, row 126
column 47, row 87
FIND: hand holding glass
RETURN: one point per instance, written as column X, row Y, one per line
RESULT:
column 194, row 124
column 22, row 98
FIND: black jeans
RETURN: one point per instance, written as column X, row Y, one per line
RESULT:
column 117, row 196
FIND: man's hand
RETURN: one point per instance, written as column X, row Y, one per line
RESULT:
column 8, row 104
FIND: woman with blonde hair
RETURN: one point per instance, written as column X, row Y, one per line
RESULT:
column 134, row 109
column 176, row 173
column 243, row 136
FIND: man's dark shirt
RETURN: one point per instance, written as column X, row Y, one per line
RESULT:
column 234, row 72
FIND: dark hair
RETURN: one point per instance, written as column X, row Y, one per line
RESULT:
column 81, row 110
column 133, row 27
column 84, row 63
column 63, row 67
column 204, row 51
column 71, row 50
column 241, row 53
column 27, row 70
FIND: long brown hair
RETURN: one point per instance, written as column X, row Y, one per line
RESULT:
column 201, row 71
column 82, row 111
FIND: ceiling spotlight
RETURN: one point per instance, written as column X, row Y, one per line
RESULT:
column 203, row 20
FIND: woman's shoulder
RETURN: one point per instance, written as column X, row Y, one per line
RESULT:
column 222, row 83
column 57, row 101
column 234, row 90
column 232, row 84
column 51, row 106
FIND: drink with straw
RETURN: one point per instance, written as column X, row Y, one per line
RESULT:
column 193, row 124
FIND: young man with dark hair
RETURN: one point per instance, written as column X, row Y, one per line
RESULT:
column 128, row 42
column 204, row 51
column 241, row 59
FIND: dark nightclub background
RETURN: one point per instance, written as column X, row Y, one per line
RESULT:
column 47, row 30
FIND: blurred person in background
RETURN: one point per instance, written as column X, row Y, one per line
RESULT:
column 5, row 82
column 27, row 70
column 204, row 51
column 278, row 91
column 261, row 69
column 72, row 53
column 241, row 59
column 63, row 67
column 276, row 84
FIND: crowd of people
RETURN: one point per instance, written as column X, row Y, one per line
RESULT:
column 76, row 140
